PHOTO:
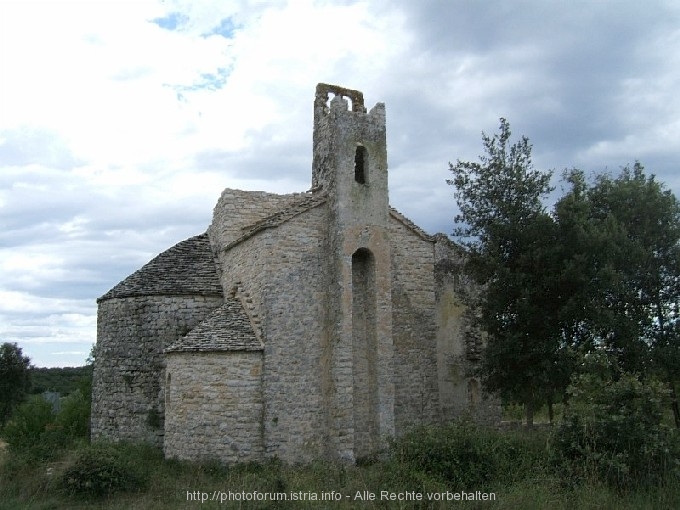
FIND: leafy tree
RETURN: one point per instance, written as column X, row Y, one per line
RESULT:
column 602, row 273
column 92, row 356
column 650, row 215
column 62, row 380
column 14, row 379
column 512, row 253
column 621, row 244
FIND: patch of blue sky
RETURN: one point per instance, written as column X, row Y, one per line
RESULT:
column 226, row 29
column 213, row 81
column 172, row 21
column 206, row 81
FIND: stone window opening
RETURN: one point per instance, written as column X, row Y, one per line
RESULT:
column 350, row 103
column 353, row 98
column 361, row 165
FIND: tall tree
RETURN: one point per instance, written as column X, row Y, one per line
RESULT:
column 14, row 379
column 511, row 243
column 621, row 237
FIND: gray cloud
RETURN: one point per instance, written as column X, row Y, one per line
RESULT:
column 33, row 145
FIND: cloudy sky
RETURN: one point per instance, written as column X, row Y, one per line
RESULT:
column 121, row 122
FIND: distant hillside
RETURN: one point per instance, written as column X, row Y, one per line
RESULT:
column 61, row 380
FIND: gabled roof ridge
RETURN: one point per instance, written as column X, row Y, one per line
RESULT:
column 440, row 237
column 290, row 211
column 408, row 223
column 227, row 328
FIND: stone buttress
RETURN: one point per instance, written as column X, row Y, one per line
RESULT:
column 350, row 165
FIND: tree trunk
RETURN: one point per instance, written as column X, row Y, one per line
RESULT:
column 551, row 414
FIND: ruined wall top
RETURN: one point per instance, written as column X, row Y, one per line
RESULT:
column 341, row 124
column 355, row 96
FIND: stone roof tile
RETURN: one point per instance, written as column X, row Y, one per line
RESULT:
column 228, row 328
column 188, row 268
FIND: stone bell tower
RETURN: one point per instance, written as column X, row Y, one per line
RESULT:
column 350, row 165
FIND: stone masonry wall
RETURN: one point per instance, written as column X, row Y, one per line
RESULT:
column 459, row 343
column 414, row 334
column 215, row 406
column 236, row 210
column 128, row 381
column 359, row 326
column 282, row 270
column 296, row 305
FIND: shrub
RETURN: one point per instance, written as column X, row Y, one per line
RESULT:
column 469, row 456
column 30, row 421
column 612, row 429
column 102, row 469
column 74, row 416
column 36, row 432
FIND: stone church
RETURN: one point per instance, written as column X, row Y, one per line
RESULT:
column 300, row 326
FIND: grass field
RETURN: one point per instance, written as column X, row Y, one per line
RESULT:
column 514, row 468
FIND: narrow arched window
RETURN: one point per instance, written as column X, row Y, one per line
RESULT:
column 361, row 165
column 365, row 366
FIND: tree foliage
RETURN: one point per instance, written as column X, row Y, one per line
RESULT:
column 621, row 243
column 511, row 240
column 14, row 379
column 62, row 380
column 601, row 272
column 36, row 432
column 29, row 429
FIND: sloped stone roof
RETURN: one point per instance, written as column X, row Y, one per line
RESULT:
column 408, row 223
column 303, row 204
column 188, row 268
column 228, row 328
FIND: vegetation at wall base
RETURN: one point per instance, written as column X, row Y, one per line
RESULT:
column 613, row 428
column 466, row 455
column 520, row 467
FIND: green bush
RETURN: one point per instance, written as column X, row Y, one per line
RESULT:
column 467, row 455
column 612, row 429
column 29, row 422
column 103, row 469
column 36, row 432
column 74, row 417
